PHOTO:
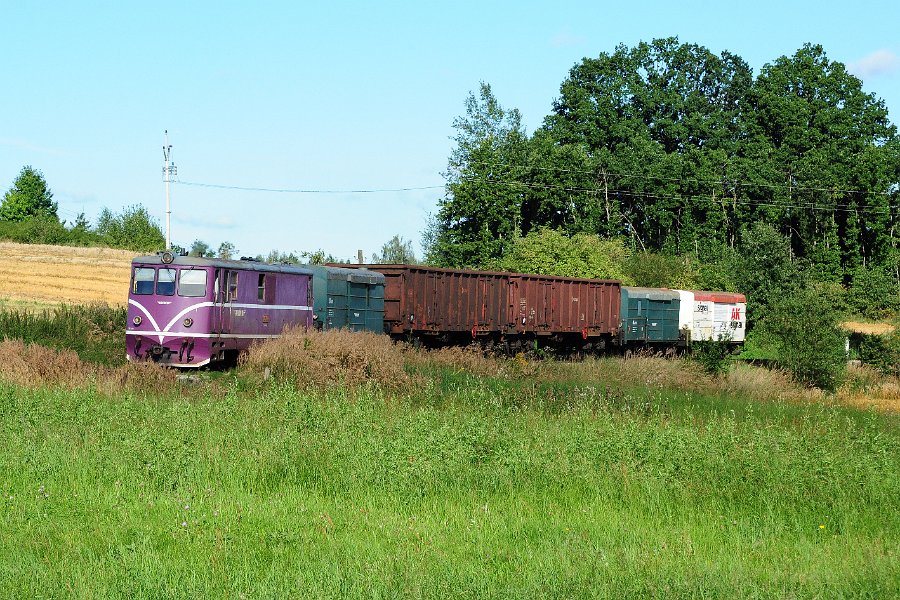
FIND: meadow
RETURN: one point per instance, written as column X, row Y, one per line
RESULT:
column 391, row 472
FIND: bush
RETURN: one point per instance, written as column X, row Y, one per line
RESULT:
column 881, row 352
column 336, row 357
column 46, row 230
column 133, row 229
column 874, row 293
column 712, row 355
column 802, row 328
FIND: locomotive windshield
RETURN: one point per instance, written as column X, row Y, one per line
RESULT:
column 165, row 282
column 192, row 283
column 143, row 281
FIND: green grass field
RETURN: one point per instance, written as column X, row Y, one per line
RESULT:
column 466, row 486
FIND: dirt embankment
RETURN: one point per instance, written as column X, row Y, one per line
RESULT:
column 35, row 273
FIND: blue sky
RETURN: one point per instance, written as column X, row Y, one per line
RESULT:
column 344, row 96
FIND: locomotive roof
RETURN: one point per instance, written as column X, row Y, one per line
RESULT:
column 237, row 265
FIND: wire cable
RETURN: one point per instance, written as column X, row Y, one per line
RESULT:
column 306, row 191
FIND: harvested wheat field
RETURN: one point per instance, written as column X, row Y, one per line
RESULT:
column 36, row 273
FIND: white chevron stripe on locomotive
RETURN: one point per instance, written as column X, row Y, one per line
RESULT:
column 161, row 334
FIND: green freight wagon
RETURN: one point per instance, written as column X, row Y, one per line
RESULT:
column 348, row 298
column 650, row 318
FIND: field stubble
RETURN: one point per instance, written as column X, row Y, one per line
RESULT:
column 63, row 274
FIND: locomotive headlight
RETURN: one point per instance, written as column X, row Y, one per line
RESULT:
column 188, row 322
column 137, row 320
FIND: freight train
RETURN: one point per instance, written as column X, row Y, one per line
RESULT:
column 190, row 312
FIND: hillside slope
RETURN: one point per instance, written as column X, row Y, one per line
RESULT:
column 63, row 274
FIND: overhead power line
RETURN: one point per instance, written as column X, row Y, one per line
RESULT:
column 307, row 191
column 795, row 204
column 723, row 181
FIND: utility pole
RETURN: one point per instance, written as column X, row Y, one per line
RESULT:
column 169, row 171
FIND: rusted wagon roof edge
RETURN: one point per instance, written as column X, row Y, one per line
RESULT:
column 376, row 267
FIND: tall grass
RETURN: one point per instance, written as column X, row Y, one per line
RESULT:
column 286, row 492
column 449, row 474
column 95, row 332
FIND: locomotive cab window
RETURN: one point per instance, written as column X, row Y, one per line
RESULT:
column 232, row 286
column 165, row 282
column 192, row 283
column 261, row 288
column 142, row 284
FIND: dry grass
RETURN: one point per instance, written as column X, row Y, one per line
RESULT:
column 336, row 357
column 36, row 273
column 868, row 389
column 867, row 328
column 473, row 360
column 34, row 366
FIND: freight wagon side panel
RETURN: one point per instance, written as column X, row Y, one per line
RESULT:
column 552, row 305
column 726, row 315
column 650, row 316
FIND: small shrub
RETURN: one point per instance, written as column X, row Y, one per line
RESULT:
column 712, row 355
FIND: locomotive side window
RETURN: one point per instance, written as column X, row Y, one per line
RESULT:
column 143, row 281
column 192, row 283
column 165, row 282
column 261, row 288
column 232, row 286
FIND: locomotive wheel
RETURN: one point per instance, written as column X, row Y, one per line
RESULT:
column 628, row 354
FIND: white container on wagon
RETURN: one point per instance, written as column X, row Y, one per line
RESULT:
column 713, row 315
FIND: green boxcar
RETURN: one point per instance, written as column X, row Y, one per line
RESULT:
column 650, row 317
column 348, row 298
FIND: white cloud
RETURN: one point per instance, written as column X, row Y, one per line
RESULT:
column 878, row 63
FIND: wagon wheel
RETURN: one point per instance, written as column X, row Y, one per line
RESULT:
column 628, row 354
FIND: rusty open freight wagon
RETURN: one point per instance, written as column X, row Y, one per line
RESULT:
column 513, row 308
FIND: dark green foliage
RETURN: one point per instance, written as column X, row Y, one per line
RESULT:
column 881, row 352
column 802, row 329
column 132, row 229
column 47, row 230
column 874, row 293
column 764, row 270
column 95, row 332
column 28, row 197
column 712, row 355
column 226, row 250
column 480, row 215
column 681, row 152
column 315, row 257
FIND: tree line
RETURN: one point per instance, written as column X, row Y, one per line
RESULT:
column 673, row 149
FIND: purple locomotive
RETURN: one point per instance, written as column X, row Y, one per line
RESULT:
column 188, row 312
